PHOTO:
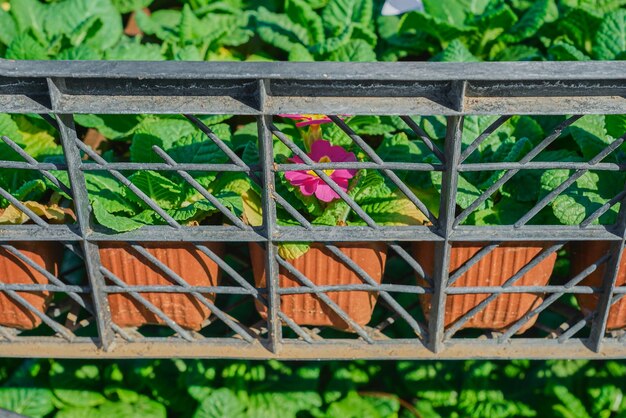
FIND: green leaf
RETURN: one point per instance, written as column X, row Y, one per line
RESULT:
column 280, row 31
column 29, row 15
column 456, row 51
column 414, row 22
column 114, row 127
column 25, row 47
column 111, row 221
column 162, row 131
column 300, row 12
column 130, row 49
column 491, row 25
column 590, row 134
column 63, row 18
column 126, row 6
column 221, row 403
column 570, row 405
column 339, row 14
column 162, row 190
column 562, row 51
column 580, row 27
column 611, row 36
column 454, row 12
column 29, row 401
column 292, row 250
column 529, row 23
column 300, row 53
column 9, row 28
column 79, row 53
column 76, row 384
column 198, row 378
column 518, row 53
column 615, row 125
column 352, row 406
column 334, row 43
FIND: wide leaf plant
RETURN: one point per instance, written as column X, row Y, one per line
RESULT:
column 310, row 195
column 118, row 208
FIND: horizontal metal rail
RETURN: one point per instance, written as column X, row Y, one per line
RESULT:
column 402, row 325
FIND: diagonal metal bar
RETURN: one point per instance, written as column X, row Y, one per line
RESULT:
column 35, row 164
column 404, row 255
column 51, row 120
column 561, row 187
column 58, row 328
column 482, row 253
column 510, row 173
column 551, row 299
column 67, row 130
column 204, row 192
column 599, row 325
column 221, row 145
column 147, row 304
column 586, row 320
column 602, row 209
column 251, row 289
column 417, row 328
column 126, row 182
column 49, row 276
column 291, row 210
column 32, row 215
column 305, row 281
column 171, row 274
column 509, row 282
column 325, row 177
column 483, row 136
column 389, row 173
column 426, row 139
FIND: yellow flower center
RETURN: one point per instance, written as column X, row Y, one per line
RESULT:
column 324, row 159
column 313, row 116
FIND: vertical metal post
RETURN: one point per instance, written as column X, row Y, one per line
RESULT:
column 81, row 206
column 446, row 220
column 266, row 153
column 598, row 327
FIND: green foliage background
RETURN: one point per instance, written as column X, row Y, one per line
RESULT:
column 218, row 388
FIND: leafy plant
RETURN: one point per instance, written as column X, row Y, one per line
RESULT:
column 313, row 197
column 206, row 388
column 121, row 209
column 39, row 140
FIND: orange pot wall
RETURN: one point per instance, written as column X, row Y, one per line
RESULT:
column 492, row 270
column 188, row 262
column 323, row 268
column 14, row 271
column 584, row 254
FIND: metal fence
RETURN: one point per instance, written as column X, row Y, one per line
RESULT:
column 79, row 323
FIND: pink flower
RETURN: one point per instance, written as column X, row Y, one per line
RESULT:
column 309, row 182
column 307, row 119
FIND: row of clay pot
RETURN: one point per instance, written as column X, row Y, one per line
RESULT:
column 322, row 268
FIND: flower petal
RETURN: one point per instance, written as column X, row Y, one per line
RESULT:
column 325, row 193
column 320, row 148
column 297, row 177
column 343, row 174
column 310, row 187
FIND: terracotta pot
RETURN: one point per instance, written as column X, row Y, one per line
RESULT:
column 323, row 268
column 135, row 270
column 492, row 270
column 14, row 271
column 584, row 254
